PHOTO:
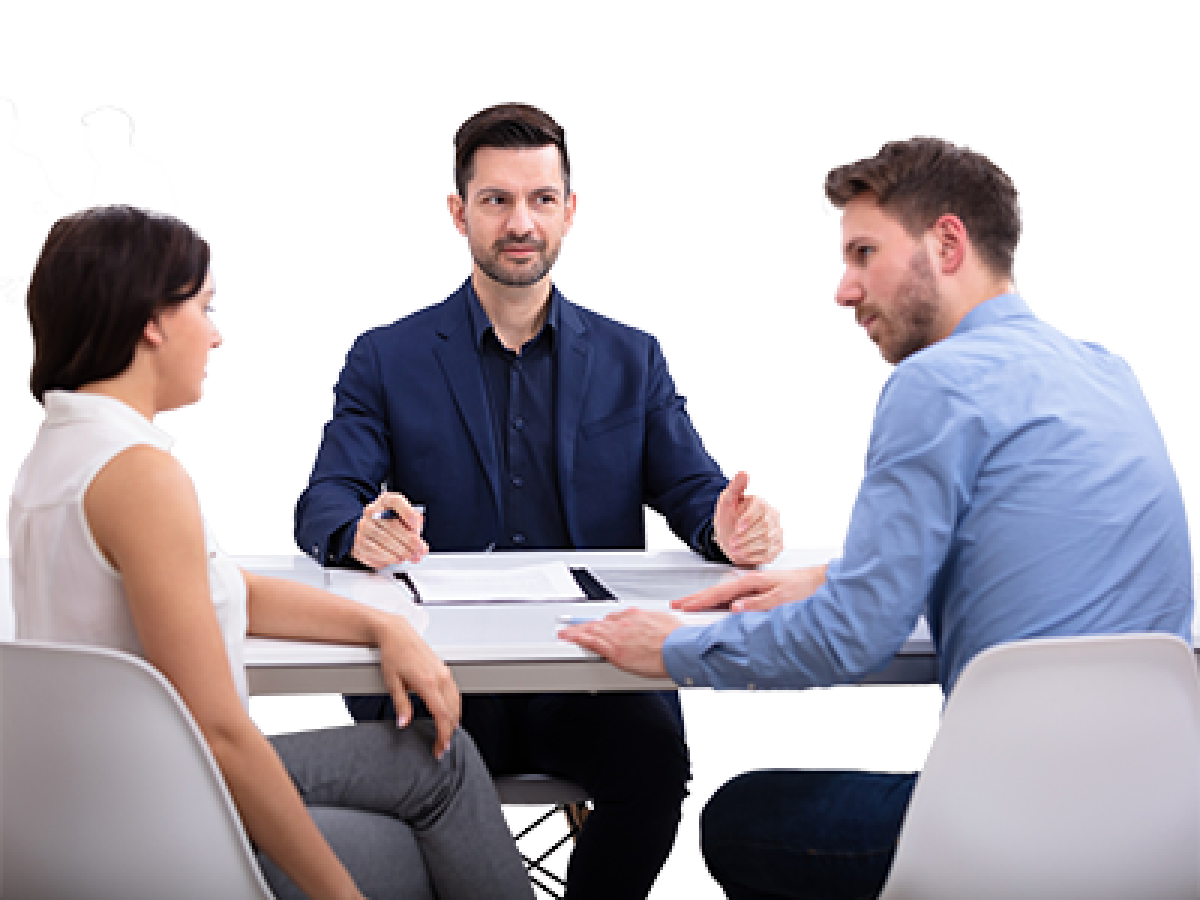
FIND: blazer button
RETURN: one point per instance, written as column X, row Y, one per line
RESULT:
column 518, row 538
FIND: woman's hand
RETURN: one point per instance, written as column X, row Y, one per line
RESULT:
column 409, row 665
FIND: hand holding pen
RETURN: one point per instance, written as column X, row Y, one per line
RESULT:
column 389, row 532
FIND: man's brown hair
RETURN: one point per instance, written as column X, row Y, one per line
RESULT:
column 506, row 125
column 918, row 180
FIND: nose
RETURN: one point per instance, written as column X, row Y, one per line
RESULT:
column 520, row 221
column 216, row 340
column 849, row 290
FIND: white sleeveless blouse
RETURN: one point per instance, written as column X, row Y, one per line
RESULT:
column 63, row 588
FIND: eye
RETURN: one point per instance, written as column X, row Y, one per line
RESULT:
column 862, row 253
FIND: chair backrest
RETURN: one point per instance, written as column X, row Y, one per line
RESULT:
column 107, row 787
column 1063, row 768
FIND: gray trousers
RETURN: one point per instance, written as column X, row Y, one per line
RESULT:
column 404, row 824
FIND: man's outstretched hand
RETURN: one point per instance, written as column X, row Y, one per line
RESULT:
column 631, row 639
column 746, row 527
column 756, row 590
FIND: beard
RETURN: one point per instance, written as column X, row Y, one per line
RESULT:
column 915, row 308
column 493, row 266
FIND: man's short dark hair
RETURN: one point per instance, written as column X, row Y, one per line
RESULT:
column 102, row 275
column 506, row 125
column 108, row 118
column 918, row 180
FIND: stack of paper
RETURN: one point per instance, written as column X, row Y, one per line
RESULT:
column 542, row 583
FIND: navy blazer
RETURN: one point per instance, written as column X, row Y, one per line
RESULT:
column 411, row 410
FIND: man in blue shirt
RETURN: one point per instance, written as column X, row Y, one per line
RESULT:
column 1016, row 486
column 520, row 421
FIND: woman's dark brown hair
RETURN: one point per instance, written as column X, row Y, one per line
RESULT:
column 102, row 275
column 918, row 180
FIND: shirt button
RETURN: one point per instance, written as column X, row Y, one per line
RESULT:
column 688, row 681
column 518, row 481
column 518, row 423
column 518, row 538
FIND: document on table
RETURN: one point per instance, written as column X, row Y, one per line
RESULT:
column 541, row 583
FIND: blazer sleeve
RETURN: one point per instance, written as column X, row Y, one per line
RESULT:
column 681, row 481
column 354, row 459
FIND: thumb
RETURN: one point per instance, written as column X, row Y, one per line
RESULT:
column 735, row 490
column 759, row 601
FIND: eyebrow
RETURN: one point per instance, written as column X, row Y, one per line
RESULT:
column 545, row 189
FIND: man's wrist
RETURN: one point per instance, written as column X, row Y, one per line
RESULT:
column 678, row 657
column 707, row 544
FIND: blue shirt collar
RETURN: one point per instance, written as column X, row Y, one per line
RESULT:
column 481, row 324
column 997, row 309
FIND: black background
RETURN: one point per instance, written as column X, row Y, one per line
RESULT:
column 699, row 221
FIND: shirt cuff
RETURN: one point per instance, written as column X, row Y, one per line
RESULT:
column 681, row 657
column 337, row 551
column 707, row 546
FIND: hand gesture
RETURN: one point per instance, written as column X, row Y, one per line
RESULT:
column 631, row 639
column 746, row 527
column 409, row 665
column 756, row 590
column 389, row 532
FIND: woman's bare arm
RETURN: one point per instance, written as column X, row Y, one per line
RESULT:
column 143, row 514
column 288, row 609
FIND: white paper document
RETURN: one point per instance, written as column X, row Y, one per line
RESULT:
column 543, row 583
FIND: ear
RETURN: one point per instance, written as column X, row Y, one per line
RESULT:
column 458, row 212
column 950, row 242
column 569, row 213
column 152, row 333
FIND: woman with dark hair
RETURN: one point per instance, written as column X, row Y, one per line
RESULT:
column 109, row 549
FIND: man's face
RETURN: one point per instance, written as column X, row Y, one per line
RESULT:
column 889, row 282
column 515, row 213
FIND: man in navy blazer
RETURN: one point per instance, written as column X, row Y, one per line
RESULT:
column 518, row 420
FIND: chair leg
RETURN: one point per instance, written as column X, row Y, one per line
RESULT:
column 539, row 876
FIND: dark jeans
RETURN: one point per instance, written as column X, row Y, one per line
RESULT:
column 804, row 835
column 626, row 750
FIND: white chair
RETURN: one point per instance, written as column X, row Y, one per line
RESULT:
column 561, row 796
column 107, row 788
column 1063, row 768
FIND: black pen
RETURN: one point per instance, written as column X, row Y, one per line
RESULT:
column 390, row 513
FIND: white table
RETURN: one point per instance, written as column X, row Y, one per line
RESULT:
column 514, row 647
column 511, row 647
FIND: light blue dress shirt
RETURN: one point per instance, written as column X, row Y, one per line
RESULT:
column 1016, row 486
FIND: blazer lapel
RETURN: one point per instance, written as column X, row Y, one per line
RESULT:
column 459, row 361
column 574, row 370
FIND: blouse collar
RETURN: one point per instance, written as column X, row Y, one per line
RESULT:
column 65, row 407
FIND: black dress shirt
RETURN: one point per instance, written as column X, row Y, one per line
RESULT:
column 520, row 390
